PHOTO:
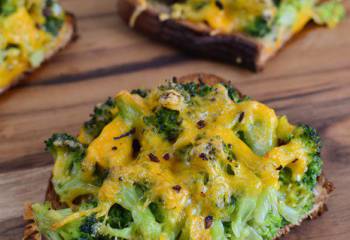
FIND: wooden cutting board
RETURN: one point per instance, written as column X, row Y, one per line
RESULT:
column 309, row 81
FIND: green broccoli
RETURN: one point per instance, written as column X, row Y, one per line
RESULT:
column 119, row 217
column 269, row 228
column 266, row 219
column 118, row 225
column 201, row 89
column 285, row 175
column 63, row 142
column 157, row 211
column 312, row 142
column 54, row 17
column 90, row 229
column 243, row 213
column 130, row 199
column 314, row 170
column 297, row 195
column 259, row 27
column 141, row 92
column 86, row 228
column 234, row 94
column 190, row 89
column 45, row 216
column 311, row 137
column 217, row 230
column 167, row 122
column 102, row 115
column 196, row 89
column 68, row 153
column 330, row 13
column 7, row 7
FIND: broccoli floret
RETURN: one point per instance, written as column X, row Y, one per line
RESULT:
column 297, row 195
column 190, row 89
column 45, row 216
column 130, row 200
column 285, row 176
column 217, row 230
column 96, row 229
column 88, row 224
column 167, row 122
column 234, row 94
column 243, row 213
column 194, row 89
column 7, row 7
column 312, row 142
column 119, row 217
column 310, row 137
column 87, row 228
column 90, row 229
column 168, row 219
column 62, row 142
column 266, row 220
column 53, row 25
column 258, row 28
column 102, row 115
column 68, row 153
column 141, row 92
column 272, row 223
column 54, row 18
column 202, row 89
column 330, row 13
column 314, row 170
column 277, row 2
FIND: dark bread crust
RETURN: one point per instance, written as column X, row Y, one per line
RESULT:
column 322, row 189
column 66, row 36
column 234, row 48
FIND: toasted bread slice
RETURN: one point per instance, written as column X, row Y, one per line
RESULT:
column 67, row 34
column 199, row 38
column 195, row 38
column 322, row 189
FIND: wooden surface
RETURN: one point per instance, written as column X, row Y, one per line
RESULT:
column 309, row 81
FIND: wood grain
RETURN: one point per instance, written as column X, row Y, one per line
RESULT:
column 309, row 81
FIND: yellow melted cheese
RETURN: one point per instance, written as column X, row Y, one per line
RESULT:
column 113, row 150
column 224, row 15
column 20, row 29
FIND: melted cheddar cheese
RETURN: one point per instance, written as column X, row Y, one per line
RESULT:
column 224, row 15
column 224, row 150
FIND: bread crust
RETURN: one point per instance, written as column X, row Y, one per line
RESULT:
column 198, row 39
column 65, row 36
column 322, row 189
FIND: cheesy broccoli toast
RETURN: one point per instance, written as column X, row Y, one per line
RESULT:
column 187, row 160
column 31, row 31
column 244, row 32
